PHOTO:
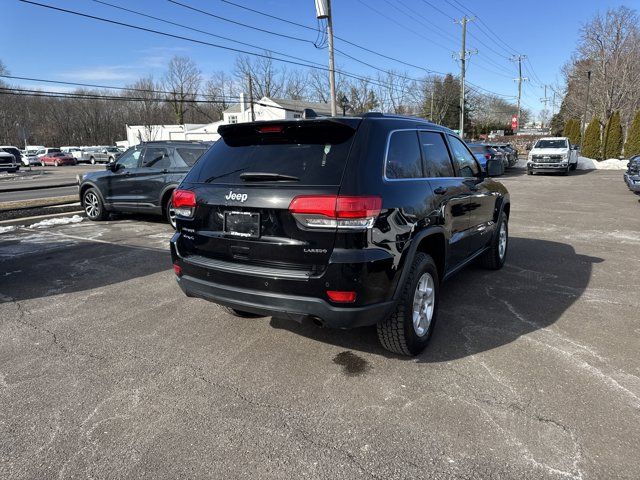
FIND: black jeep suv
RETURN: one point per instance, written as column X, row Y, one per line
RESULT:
column 141, row 180
column 346, row 221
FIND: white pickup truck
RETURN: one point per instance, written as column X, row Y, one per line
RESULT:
column 552, row 154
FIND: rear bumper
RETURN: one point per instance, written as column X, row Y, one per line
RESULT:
column 284, row 293
column 281, row 305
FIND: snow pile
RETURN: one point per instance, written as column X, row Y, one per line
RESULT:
column 10, row 228
column 585, row 163
column 50, row 222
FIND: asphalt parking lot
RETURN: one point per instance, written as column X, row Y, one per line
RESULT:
column 108, row 371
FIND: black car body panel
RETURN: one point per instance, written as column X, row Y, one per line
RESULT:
column 287, row 269
column 143, row 177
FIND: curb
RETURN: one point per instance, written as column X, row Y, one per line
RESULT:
column 37, row 187
column 27, row 221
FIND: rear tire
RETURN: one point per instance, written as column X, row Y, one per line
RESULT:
column 170, row 213
column 241, row 313
column 407, row 330
column 92, row 160
column 93, row 206
column 494, row 258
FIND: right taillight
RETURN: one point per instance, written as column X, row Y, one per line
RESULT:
column 184, row 202
column 336, row 211
column 487, row 156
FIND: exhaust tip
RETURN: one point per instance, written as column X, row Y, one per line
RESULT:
column 317, row 322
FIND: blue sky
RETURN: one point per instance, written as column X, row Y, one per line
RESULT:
column 64, row 47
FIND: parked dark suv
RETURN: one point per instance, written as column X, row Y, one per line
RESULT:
column 141, row 180
column 343, row 221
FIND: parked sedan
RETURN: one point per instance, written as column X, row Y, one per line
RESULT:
column 632, row 175
column 57, row 159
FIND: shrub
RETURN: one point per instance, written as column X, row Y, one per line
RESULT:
column 592, row 146
column 612, row 142
column 632, row 146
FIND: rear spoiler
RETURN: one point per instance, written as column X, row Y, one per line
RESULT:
column 313, row 131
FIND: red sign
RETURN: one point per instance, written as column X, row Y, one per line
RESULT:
column 514, row 122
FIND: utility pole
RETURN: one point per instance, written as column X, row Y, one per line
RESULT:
column 253, row 115
column 586, row 106
column 520, row 79
column 464, row 53
column 553, row 105
column 323, row 10
column 544, row 100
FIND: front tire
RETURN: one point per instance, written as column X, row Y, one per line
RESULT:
column 92, row 160
column 93, row 206
column 494, row 258
column 408, row 329
column 56, row 164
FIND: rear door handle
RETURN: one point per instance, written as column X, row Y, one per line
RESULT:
column 440, row 190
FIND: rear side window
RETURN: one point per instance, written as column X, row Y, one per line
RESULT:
column 308, row 154
column 187, row 156
column 403, row 156
column 436, row 155
column 156, row 157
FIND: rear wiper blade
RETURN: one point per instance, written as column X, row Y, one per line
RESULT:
column 211, row 179
column 267, row 176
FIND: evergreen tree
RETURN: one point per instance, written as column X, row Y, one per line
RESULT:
column 612, row 142
column 632, row 146
column 592, row 145
column 572, row 131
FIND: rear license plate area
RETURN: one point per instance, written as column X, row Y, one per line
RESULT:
column 242, row 224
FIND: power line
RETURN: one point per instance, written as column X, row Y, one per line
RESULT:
column 342, row 39
column 228, row 48
column 235, row 22
column 118, row 7
column 201, row 42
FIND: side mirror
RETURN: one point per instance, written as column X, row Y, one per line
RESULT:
column 113, row 166
column 494, row 167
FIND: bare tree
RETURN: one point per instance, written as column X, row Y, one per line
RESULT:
column 183, row 80
column 609, row 48
column 268, row 80
column 222, row 89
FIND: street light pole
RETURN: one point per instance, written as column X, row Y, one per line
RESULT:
column 586, row 106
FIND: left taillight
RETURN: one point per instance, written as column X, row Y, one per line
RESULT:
column 336, row 211
column 184, row 202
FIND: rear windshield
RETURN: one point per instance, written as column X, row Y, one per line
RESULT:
column 551, row 144
column 314, row 153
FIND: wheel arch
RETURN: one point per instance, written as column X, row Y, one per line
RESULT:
column 432, row 241
column 86, row 186
column 166, row 193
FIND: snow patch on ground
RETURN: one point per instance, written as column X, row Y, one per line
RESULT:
column 50, row 222
column 585, row 163
column 10, row 228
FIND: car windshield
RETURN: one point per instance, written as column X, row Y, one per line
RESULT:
column 54, row 150
column 551, row 144
column 477, row 148
column 112, row 149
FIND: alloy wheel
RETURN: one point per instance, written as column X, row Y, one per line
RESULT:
column 92, row 205
column 424, row 300
column 502, row 240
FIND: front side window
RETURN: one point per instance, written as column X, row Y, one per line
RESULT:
column 464, row 159
column 129, row 159
column 403, row 156
column 436, row 155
